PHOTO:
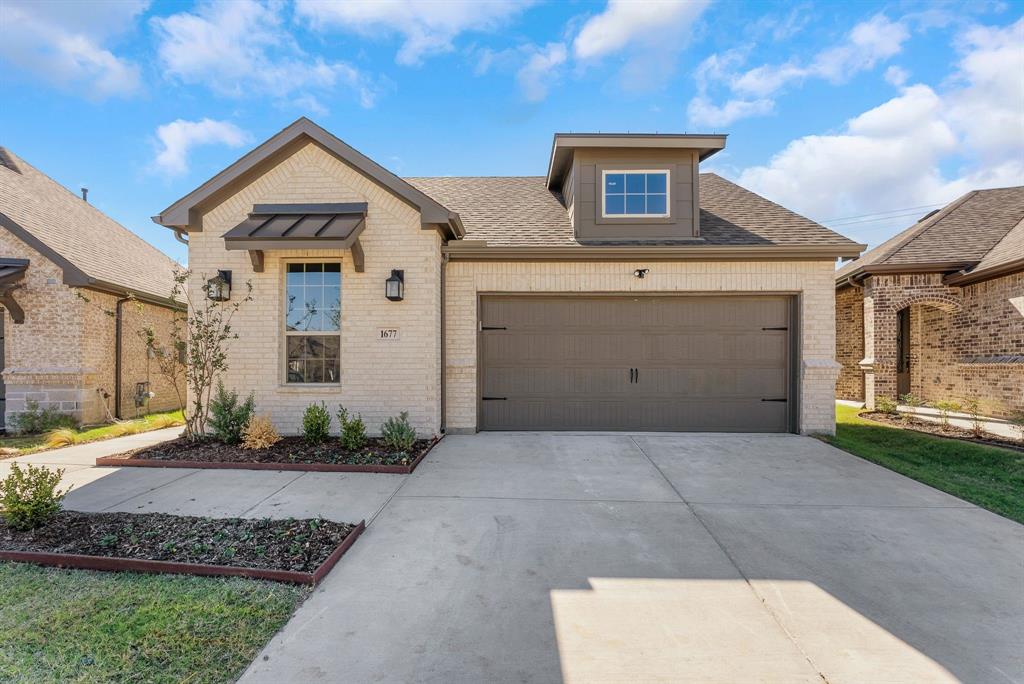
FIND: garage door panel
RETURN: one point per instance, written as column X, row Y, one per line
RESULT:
column 702, row 362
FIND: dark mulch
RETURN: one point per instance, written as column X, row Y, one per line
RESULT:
column 951, row 431
column 288, row 450
column 296, row 545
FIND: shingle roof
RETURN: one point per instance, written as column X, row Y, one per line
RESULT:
column 520, row 211
column 91, row 241
column 982, row 227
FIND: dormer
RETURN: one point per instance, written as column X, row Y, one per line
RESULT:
column 624, row 187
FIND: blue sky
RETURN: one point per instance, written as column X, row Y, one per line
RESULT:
column 835, row 110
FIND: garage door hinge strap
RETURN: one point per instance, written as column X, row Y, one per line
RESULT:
column 782, row 328
column 494, row 398
column 782, row 400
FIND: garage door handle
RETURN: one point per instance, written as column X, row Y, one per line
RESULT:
column 494, row 398
column 782, row 328
column 782, row 400
column 493, row 327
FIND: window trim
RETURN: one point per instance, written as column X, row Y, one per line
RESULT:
column 668, row 194
column 283, row 325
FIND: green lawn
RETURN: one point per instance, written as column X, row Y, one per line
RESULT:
column 82, row 626
column 990, row 477
column 28, row 444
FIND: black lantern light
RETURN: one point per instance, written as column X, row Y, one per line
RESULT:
column 218, row 288
column 394, row 287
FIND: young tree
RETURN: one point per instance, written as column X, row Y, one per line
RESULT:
column 199, row 337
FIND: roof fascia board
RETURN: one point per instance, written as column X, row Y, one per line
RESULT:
column 72, row 275
column 563, row 143
column 898, row 269
column 180, row 214
column 971, row 277
column 477, row 252
column 116, row 290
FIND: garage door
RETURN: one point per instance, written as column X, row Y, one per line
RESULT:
column 705, row 363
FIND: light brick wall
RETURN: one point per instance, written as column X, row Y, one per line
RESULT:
column 378, row 379
column 850, row 343
column 63, row 354
column 812, row 280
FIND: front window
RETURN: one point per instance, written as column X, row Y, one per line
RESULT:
column 635, row 193
column 313, row 323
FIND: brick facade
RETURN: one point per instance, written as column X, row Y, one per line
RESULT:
column 965, row 342
column 850, row 343
column 62, row 355
column 378, row 378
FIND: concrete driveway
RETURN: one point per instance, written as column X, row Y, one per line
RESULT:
column 660, row 558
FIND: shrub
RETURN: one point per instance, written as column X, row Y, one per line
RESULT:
column 62, row 437
column 259, row 433
column 123, row 428
column 353, row 430
column 1017, row 421
column 164, row 420
column 30, row 497
column 34, row 420
column 913, row 402
column 945, row 407
column 227, row 416
column 398, row 434
column 316, row 423
column 973, row 408
column 886, row 405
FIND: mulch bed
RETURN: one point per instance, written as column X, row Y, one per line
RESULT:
column 286, row 550
column 952, row 431
column 291, row 453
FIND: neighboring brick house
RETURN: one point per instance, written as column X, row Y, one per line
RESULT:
column 76, row 287
column 623, row 290
column 938, row 310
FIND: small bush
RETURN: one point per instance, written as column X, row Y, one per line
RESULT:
column 973, row 408
column 946, row 407
column 259, row 433
column 316, row 423
column 912, row 401
column 30, row 497
column 353, row 430
column 227, row 416
column 398, row 434
column 886, row 405
column 123, row 428
column 163, row 420
column 1017, row 421
column 34, row 420
column 62, row 437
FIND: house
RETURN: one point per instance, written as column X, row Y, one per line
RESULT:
column 621, row 290
column 938, row 310
column 76, row 287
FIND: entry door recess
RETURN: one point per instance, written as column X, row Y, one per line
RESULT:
column 686, row 363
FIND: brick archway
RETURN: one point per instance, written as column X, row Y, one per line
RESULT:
column 946, row 302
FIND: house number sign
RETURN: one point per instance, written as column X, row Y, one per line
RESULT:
column 388, row 334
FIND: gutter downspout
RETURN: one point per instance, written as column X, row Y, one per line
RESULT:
column 444, row 350
column 180, row 237
column 118, row 325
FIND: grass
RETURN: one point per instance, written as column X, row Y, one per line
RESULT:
column 28, row 444
column 82, row 626
column 990, row 477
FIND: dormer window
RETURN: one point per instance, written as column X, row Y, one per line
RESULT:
column 632, row 194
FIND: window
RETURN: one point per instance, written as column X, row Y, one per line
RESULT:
column 635, row 193
column 313, row 323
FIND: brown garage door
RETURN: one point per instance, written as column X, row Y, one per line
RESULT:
column 711, row 363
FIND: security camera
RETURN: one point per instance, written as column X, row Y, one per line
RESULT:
column 641, row 272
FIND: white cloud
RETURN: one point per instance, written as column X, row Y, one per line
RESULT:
column 651, row 34
column 239, row 47
column 540, row 71
column 180, row 136
column 896, row 75
column 899, row 153
column 64, row 43
column 867, row 44
column 427, row 27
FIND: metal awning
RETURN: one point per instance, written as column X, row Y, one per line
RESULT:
column 11, row 273
column 299, row 226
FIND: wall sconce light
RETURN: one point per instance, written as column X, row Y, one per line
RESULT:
column 218, row 288
column 394, row 287
column 641, row 272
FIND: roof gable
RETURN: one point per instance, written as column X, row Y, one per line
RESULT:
column 962, row 235
column 183, row 214
column 92, row 249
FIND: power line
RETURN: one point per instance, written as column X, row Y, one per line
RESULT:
column 872, row 220
column 878, row 213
